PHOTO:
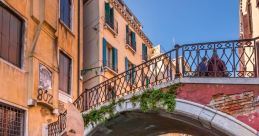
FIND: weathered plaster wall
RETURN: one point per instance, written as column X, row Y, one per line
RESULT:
column 240, row 101
column 94, row 47
column 18, row 85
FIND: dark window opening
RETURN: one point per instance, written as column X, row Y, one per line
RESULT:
column 65, row 12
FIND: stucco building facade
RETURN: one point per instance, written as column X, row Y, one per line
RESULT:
column 40, row 62
column 249, row 20
column 113, row 40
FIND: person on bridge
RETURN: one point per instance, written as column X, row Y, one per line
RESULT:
column 202, row 68
column 216, row 67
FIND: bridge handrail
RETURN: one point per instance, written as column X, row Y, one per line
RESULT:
column 179, row 62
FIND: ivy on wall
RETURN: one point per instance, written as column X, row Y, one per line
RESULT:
column 150, row 101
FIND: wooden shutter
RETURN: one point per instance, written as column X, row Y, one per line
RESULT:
column 127, row 68
column 114, row 59
column 133, row 74
column 5, row 34
column 104, row 52
column 133, row 41
column 144, row 52
column 64, row 73
column 107, row 12
column 10, row 36
column 127, row 34
column 257, row 3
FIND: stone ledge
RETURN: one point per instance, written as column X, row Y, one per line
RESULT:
column 241, row 81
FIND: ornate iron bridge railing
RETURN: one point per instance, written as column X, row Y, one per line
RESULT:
column 228, row 59
column 57, row 127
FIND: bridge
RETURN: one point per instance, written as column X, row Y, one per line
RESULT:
column 171, row 93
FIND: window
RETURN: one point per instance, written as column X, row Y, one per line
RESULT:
column 130, row 75
column 130, row 38
column 110, row 56
column 12, row 120
column 109, row 15
column 10, row 36
column 65, row 12
column 64, row 73
column 144, row 52
column 257, row 3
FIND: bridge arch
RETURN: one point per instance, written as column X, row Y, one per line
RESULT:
column 194, row 116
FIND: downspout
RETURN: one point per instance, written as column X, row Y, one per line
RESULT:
column 78, row 48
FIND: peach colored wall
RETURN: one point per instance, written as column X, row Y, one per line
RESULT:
column 18, row 85
column 255, row 30
column 97, row 11
column 255, row 15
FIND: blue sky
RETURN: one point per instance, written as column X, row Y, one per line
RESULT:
column 187, row 21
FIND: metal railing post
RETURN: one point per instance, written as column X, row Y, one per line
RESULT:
column 177, row 66
column 256, row 57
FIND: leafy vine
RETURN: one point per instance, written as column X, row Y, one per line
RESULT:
column 149, row 100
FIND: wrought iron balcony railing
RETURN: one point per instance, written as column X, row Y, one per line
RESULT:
column 226, row 59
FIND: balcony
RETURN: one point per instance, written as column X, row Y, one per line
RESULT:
column 131, row 45
column 112, row 26
column 111, row 67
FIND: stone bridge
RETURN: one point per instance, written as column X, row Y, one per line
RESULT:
column 217, row 102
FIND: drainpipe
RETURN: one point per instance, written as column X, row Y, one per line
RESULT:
column 78, row 50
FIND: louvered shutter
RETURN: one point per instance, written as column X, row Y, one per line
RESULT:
column 127, row 34
column 104, row 52
column 133, row 36
column 114, row 59
column 133, row 74
column 127, row 68
column 107, row 12
column 10, row 37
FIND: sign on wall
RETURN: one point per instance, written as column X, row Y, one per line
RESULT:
column 45, row 79
column 45, row 85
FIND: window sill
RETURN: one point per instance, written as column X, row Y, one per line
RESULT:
column 107, row 26
column 111, row 70
column 67, row 28
column 130, row 48
column 64, row 97
column 12, row 65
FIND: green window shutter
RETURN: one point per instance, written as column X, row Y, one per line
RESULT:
column 143, row 51
column 133, row 36
column 104, row 52
column 107, row 12
column 127, row 68
column 114, row 59
column 127, row 34
column 133, row 74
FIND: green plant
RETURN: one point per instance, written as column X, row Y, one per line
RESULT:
column 149, row 100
